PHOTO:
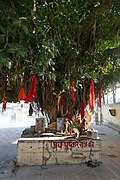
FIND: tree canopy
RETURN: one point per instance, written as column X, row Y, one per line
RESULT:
column 59, row 41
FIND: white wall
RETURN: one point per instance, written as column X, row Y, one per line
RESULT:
column 113, row 121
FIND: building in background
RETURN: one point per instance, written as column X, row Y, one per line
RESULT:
column 112, row 96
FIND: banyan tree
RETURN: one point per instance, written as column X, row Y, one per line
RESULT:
column 65, row 44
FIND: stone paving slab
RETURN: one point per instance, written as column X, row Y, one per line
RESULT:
column 65, row 172
column 27, row 172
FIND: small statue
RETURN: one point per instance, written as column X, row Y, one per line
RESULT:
column 67, row 126
column 75, row 128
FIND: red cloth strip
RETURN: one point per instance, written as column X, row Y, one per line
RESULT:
column 73, row 92
column 21, row 95
column 91, row 95
column 32, row 91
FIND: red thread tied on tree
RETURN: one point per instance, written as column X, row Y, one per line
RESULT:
column 91, row 95
column 82, row 108
column 73, row 92
column 21, row 95
column 32, row 91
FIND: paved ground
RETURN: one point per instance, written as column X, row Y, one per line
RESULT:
column 8, row 136
column 13, row 122
column 108, row 169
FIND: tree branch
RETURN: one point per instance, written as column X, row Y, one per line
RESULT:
column 6, row 42
column 101, row 8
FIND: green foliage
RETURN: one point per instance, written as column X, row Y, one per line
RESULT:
column 17, row 49
column 5, row 60
column 60, row 40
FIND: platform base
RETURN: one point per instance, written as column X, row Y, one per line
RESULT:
column 57, row 150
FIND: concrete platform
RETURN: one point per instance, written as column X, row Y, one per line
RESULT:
column 57, row 150
column 108, row 169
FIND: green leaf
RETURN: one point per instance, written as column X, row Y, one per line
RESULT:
column 25, row 29
column 17, row 49
column 5, row 61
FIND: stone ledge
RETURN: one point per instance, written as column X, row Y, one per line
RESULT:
column 57, row 150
